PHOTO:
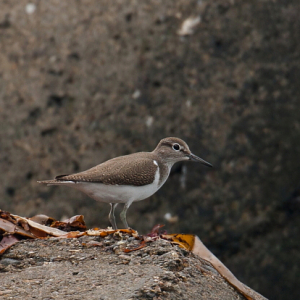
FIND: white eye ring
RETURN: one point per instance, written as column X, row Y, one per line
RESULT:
column 176, row 147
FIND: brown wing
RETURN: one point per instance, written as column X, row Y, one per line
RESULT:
column 136, row 171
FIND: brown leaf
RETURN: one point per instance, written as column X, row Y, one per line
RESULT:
column 73, row 234
column 40, row 230
column 74, row 223
column 42, row 219
column 140, row 246
column 185, row 241
column 155, row 230
column 7, row 216
column 24, row 224
column 7, row 242
column 9, row 227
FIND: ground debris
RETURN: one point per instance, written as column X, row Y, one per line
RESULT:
column 75, row 270
column 171, row 254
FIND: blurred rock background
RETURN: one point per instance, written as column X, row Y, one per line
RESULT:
column 85, row 81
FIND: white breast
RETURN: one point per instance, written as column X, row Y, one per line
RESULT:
column 116, row 193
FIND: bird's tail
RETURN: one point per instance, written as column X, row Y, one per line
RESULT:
column 52, row 182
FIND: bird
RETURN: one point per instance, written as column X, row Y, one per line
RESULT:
column 129, row 178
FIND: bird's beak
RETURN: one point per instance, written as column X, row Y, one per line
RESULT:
column 193, row 157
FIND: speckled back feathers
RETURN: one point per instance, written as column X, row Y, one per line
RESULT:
column 137, row 169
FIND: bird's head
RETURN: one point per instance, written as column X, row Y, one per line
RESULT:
column 173, row 149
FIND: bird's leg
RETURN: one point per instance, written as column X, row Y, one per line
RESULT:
column 111, row 215
column 123, row 214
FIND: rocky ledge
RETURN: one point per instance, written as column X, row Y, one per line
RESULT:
column 98, row 268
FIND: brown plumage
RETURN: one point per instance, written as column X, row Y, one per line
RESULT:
column 136, row 169
column 129, row 178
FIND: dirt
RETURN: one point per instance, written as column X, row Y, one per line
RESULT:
column 98, row 268
column 85, row 81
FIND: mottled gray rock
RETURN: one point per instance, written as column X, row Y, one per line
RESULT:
column 82, row 82
column 71, row 269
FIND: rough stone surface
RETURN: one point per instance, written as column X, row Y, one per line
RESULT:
column 85, row 81
column 74, row 269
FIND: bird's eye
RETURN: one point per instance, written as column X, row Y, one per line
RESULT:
column 176, row 147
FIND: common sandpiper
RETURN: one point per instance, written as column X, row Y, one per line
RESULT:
column 129, row 178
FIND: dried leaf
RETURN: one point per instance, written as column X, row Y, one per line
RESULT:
column 7, row 216
column 200, row 249
column 42, row 219
column 73, row 234
column 185, row 241
column 7, row 242
column 74, row 223
column 106, row 232
column 140, row 246
column 9, row 227
column 40, row 230
column 155, row 230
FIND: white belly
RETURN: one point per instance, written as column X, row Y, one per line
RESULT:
column 115, row 193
